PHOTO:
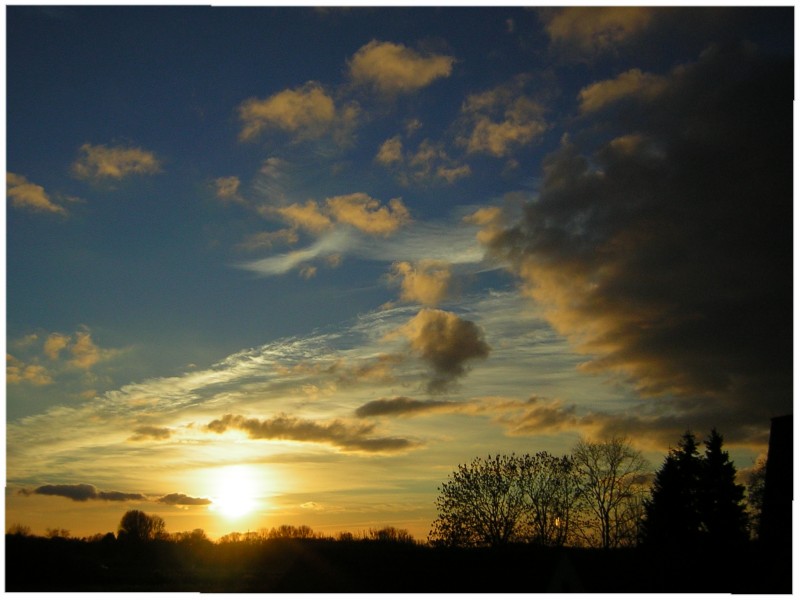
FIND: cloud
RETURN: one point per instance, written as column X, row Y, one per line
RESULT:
column 268, row 239
column 366, row 214
column 19, row 372
column 402, row 406
column 85, row 353
column 673, row 268
column 427, row 281
column 591, row 30
column 501, row 119
column 227, row 188
column 446, row 342
column 395, row 69
column 306, row 216
column 307, row 111
column 542, row 416
column 148, row 432
column 632, row 83
column 82, row 492
column 428, row 163
column 26, row 195
column 98, row 162
column 183, row 500
column 329, row 245
column 54, row 344
column 335, row 433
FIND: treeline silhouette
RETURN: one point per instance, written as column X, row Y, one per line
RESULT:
column 587, row 522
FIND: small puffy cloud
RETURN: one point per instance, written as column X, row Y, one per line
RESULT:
column 99, row 162
column 307, row 111
column 54, row 344
column 82, row 492
column 367, row 214
column 308, row 272
column 335, row 433
column 590, row 30
column 630, row 83
column 19, row 372
column 427, row 281
column 85, row 353
column 402, row 406
column 149, row 432
column 429, row 162
column 394, row 69
column 501, row 119
column 227, row 188
column 183, row 500
column 391, row 151
column 306, row 216
column 446, row 342
column 29, row 196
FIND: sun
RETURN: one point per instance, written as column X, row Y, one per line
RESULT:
column 236, row 491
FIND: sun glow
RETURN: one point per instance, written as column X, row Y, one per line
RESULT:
column 236, row 491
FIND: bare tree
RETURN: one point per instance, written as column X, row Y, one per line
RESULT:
column 483, row 504
column 612, row 475
column 551, row 487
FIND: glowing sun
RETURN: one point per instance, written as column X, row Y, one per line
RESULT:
column 236, row 491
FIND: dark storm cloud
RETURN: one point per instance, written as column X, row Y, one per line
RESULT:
column 183, row 500
column 82, row 492
column 402, row 406
column 335, row 433
column 665, row 253
column 446, row 342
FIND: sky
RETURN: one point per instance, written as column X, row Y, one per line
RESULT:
column 275, row 266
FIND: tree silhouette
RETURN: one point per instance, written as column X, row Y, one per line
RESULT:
column 551, row 487
column 672, row 513
column 611, row 476
column 137, row 526
column 722, row 509
column 696, row 498
column 755, row 494
column 483, row 504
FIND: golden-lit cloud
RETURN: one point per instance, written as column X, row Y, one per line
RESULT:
column 502, row 119
column 307, row 111
column 54, row 344
column 85, row 353
column 427, row 281
column 394, row 68
column 100, row 162
column 595, row 29
column 18, row 371
column 446, row 342
column 357, row 437
column 27, row 195
column 391, row 151
column 306, row 216
column 630, row 83
column 367, row 214
column 428, row 163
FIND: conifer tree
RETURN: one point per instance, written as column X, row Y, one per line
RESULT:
column 722, row 506
column 672, row 514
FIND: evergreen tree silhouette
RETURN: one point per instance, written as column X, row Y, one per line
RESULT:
column 722, row 508
column 672, row 513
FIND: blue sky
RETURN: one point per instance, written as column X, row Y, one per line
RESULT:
column 341, row 251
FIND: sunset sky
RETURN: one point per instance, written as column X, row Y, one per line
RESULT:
column 294, row 265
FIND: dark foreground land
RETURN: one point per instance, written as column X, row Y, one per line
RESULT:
column 46, row 565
